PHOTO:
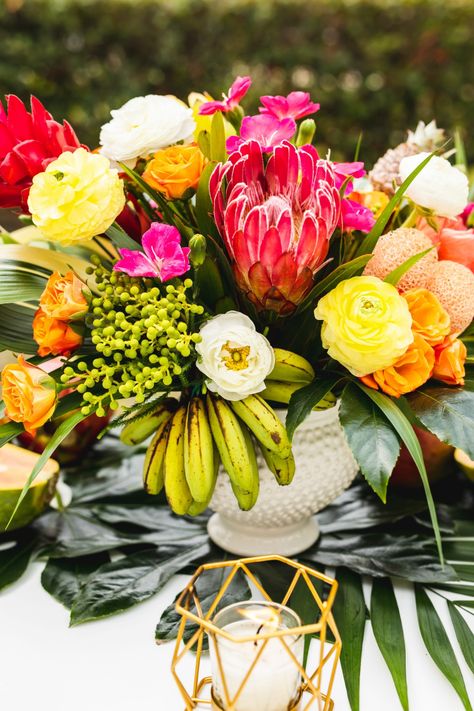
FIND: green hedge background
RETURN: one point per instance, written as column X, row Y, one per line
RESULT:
column 374, row 65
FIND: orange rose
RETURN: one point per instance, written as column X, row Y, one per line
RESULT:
column 410, row 371
column 174, row 170
column 430, row 319
column 450, row 357
column 54, row 337
column 63, row 297
column 29, row 394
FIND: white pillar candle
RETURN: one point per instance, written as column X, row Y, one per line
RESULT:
column 274, row 682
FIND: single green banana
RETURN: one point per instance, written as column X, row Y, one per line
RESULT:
column 199, row 451
column 291, row 367
column 139, row 430
column 153, row 474
column 197, row 507
column 264, row 424
column 176, row 487
column 282, row 469
column 279, row 391
column 238, row 458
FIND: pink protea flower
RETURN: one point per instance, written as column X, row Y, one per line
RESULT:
column 268, row 131
column 296, row 105
column 29, row 141
column 276, row 220
column 230, row 101
column 163, row 256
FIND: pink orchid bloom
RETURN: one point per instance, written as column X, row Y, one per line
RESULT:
column 163, row 256
column 236, row 93
column 355, row 216
column 296, row 105
column 276, row 218
column 454, row 241
column 266, row 130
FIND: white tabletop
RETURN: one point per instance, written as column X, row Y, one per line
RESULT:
column 115, row 665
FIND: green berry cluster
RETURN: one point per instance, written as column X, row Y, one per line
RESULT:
column 143, row 334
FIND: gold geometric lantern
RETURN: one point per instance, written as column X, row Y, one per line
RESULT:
column 257, row 646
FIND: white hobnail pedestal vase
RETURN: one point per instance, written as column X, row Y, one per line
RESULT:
column 282, row 521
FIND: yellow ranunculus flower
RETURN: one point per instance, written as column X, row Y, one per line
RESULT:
column 366, row 324
column 77, row 197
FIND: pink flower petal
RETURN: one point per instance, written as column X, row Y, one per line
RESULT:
column 296, row 105
column 135, row 263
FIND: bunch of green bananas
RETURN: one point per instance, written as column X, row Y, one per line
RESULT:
column 191, row 439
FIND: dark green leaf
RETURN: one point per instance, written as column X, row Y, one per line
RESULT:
column 166, row 526
column 123, row 583
column 388, row 632
column 62, row 577
column 342, row 272
column 394, row 276
column 207, row 587
column 448, row 413
column 407, row 434
column 16, row 329
column 61, row 433
column 350, row 615
column 464, row 635
column 17, row 284
column 463, row 603
column 303, row 400
column 14, row 560
column 303, row 603
column 371, row 239
column 121, row 239
column 203, row 202
column 438, row 645
column 371, row 437
column 9, row 431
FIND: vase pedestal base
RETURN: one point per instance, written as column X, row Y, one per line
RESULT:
column 244, row 540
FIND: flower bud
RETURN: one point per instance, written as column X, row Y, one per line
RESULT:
column 306, row 132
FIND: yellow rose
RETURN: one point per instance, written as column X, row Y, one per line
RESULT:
column 77, row 197
column 366, row 324
column 174, row 170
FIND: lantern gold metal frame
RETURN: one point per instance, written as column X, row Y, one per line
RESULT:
column 196, row 622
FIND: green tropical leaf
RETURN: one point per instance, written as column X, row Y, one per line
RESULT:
column 342, row 272
column 464, row 634
column 438, row 645
column 448, row 413
column 204, row 204
column 350, row 615
column 371, row 239
column 303, row 603
column 9, row 431
column 388, row 632
column 16, row 329
column 121, row 239
column 394, row 276
column 61, row 433
column 407, row 434
column 217, row 138
column 118, row 585
column 40, row 258
column 371, row 437
column 63, row 577
column 17, row 283
column 207, row 587
column 14, row 560
column 303, row 400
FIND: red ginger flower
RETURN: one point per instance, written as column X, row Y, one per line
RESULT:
column 276, row 220
column 28, row 143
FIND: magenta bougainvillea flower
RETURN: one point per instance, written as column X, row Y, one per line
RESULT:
column 296, row 105
column 276, row 218
column 230, row 101
column 268, row 131
column 29, row 141
column 163, row 257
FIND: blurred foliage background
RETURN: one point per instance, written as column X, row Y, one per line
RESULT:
column 375, row 66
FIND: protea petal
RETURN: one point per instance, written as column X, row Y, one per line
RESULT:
column 270, row 249
column 259, row 280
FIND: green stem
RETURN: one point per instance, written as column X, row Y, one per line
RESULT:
column 59, row 501
column 411, row 219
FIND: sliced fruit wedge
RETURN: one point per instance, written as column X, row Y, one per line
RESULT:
column 16, row 465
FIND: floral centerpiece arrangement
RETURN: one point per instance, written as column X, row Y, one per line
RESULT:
column 201, row 267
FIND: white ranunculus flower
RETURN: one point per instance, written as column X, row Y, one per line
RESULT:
column 439, row 187
column 235, row 358
column 144, row 125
